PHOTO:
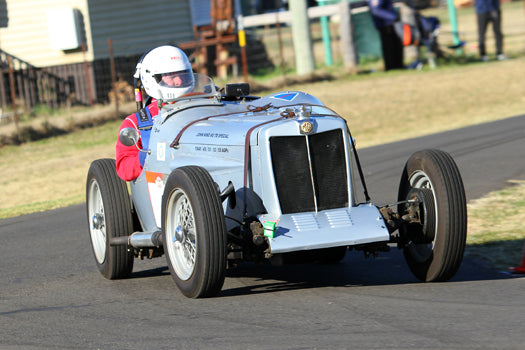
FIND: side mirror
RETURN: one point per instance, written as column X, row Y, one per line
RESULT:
column 128, row 136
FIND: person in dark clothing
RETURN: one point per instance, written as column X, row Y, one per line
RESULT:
column 384, row 15
column 489, row 11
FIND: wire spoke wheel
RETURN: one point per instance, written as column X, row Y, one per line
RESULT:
column 180, row 231
column 97, row 221
column 194, row 232
column 108, row 215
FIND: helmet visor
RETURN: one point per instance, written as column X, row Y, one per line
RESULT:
column 183, row 78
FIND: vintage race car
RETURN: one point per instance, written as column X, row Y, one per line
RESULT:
column 229, row 178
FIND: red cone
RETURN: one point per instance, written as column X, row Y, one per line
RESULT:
column 521, row 268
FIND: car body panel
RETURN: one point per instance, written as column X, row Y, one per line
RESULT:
column 231, row 140
column 337, row 227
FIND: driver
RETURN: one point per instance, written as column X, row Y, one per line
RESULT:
column 165, row 74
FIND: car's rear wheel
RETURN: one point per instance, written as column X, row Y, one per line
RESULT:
column 434, row 234
column 194, row 232
column 109, row 215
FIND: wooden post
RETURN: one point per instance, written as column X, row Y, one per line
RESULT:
column 302, row 39
column 20, row 84
column 13, row 93
column 241, row 37
column 346, row 33
column 280, row 40
column 3, row 99
column 26, row 78
column 113, row 75
column 88, row 79
column 221, row 56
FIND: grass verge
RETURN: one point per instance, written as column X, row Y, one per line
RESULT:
column 379, row 108
column 51, row 173
column 495, row 230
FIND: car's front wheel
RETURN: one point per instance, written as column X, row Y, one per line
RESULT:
column 194, row 232
column 436, row 228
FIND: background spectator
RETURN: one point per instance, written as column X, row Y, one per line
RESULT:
column 489, row 11
column 384, row 15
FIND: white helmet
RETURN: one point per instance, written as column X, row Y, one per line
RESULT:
column 165, row 73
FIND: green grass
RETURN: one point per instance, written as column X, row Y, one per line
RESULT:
column 50, row 173
column 496, row 232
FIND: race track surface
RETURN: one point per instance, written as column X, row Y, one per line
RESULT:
column 53, row 297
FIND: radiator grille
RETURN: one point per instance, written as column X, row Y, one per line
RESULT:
column 300, row 189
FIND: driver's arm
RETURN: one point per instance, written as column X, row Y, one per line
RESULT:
column 127, row 157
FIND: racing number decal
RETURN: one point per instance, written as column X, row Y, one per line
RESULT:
column 155, row 188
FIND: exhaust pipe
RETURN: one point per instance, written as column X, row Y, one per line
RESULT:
column 139, row 240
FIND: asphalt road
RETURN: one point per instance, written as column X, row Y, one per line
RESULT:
column 52, row 296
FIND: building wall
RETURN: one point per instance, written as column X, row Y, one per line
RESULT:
column 3, row 14
column 27, row 37
column 200, row 12
column 134, row 26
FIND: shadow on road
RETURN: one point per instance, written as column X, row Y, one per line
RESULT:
column 353, row 271
column 158, row 271
column 388, row 269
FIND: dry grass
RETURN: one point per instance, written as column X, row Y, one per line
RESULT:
column 380, row 108
column 51, row 173
column 58, row 122
column 392, row 106
column 383, row 107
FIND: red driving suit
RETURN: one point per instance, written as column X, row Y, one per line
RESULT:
column 127, row 157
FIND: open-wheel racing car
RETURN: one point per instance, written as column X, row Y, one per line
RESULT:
column 231, row 177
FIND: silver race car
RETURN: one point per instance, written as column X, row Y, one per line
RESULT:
column 229, row 177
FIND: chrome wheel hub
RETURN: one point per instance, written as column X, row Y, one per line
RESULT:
column 97, row 228
column 181, row 234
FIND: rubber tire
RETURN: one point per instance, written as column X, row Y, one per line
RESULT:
column 209, row 267
column 443, row 257
column 115, row 208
